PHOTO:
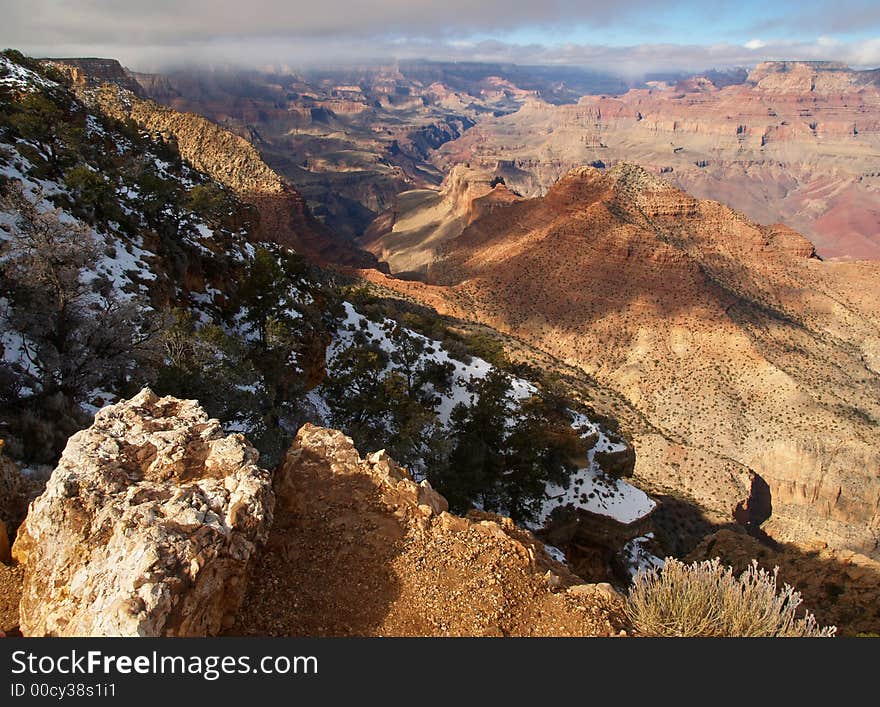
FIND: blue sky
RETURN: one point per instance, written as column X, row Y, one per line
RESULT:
column 706, row 23
column 627, row 35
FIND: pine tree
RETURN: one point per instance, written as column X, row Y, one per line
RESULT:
column 49, row 126
column 355, row 392
column 540, row 449
column 476, row 463
column 93, row 195
column 263, row 292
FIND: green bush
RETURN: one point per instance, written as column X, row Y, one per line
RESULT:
column 706, row 599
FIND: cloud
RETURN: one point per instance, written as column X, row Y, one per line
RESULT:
column 173, row 22
column 632, row 61
column 838, row 17
column 163, row 33
column 640, row 59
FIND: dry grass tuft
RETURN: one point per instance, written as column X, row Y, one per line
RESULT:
column 706, row 599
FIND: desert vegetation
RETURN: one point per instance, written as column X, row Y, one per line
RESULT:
column 707, row 599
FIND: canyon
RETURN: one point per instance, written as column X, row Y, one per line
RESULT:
column 742, row 353
column 351, row 138
column 169, row 501
column 788, row 142
column 283, row 215
column 795, row 143
column 689, row 260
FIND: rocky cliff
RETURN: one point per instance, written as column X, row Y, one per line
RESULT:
column 93, row 72
column 153, row 524
column 797, row 143
column 408, row 236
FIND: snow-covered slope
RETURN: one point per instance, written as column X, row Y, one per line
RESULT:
column 15, row 76
column 122, row 203
column 135, row 271
column 589, row 487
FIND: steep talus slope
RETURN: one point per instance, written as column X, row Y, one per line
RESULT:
column 228, row 158
column 360, row 549
column 797, row 143
column 744, row 354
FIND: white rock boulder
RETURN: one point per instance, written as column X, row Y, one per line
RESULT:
column 147, row 526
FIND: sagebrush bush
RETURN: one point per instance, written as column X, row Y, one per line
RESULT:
column 707, row 599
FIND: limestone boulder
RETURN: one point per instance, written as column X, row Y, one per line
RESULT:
column 147, row 526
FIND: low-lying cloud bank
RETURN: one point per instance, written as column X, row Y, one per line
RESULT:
column 624, row 60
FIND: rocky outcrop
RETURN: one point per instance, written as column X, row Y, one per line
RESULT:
column 359, row 548
column 228, row 158
column 801, row 76
column 93, row 72
column 147, row 526
column 592, row 542
column 619, row 464
column 407, row 237
column 151, row 523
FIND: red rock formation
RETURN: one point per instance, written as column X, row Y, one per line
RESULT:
column 797, row 143
column 737, row 347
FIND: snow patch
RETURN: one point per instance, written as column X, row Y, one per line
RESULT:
column 592, row 490
column 13, row 75
column 589, row 488
column 556, row 554
column 638, row 558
